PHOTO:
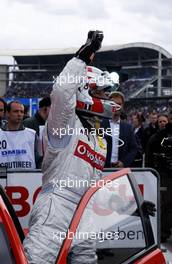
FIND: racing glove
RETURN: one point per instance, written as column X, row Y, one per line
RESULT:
column 92, row 45
column 149, row 207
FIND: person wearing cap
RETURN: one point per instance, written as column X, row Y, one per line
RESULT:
column 121, row 144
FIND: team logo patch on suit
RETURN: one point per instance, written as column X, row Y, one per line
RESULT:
column 85, row 152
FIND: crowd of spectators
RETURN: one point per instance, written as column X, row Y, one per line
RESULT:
column 159, row 156
column 31, row 83
column 29, row 90
column 145, row 107
column 130, row 86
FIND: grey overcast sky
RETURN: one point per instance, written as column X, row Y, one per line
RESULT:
column 39, row 24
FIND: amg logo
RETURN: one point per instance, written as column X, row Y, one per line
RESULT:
column 13, row 152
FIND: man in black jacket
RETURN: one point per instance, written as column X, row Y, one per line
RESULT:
column 37, row 123
column 40, row 117
column 151, row 129
column 121, row 145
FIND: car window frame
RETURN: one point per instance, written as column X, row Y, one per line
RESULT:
column 150, row 245
column 156, row 174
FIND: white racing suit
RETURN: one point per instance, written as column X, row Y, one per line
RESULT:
column 70, row 161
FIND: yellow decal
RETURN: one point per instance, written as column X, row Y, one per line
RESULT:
column 101, row 143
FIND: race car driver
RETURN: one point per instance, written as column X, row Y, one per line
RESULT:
column 75, row 157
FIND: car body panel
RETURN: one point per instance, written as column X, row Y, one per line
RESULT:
column 154, row 257
column 12, row 234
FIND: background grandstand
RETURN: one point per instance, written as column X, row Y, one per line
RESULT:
column 145, row 72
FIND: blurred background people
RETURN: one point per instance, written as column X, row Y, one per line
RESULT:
column 151, row 128
column 136, row 121
column 37, row 122
column 40, row 117
column 26, row 112
column 159, row 157
column 2, row 112
column 162, row 121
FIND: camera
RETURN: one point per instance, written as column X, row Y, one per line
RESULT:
column 166, row 142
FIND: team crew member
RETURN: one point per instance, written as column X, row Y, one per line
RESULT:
column 77, row 157
column 17, row 144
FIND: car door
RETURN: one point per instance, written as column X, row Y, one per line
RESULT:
column 113, row 215
column 11, row 234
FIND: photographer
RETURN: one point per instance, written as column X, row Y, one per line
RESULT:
column 159, row 156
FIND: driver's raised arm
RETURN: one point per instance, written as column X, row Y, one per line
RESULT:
column 63, row 97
